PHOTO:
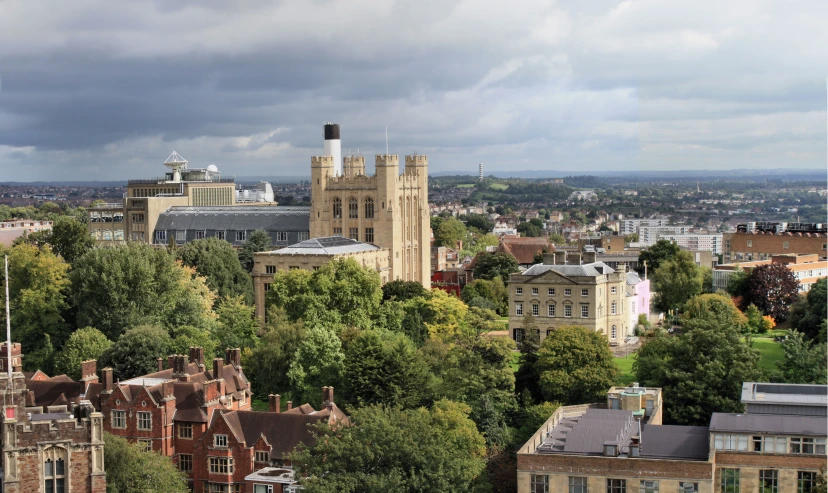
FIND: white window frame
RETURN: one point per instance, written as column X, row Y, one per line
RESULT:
column 535, row 291
column 550, row 310
column 535, row 310
column 241, row 235
column 519, row 309
column 568, row 311
column 220, row 441
column 550, row 292
column 519, row 291
column 144, row 420
column 584, row 292
column 568, row 292
column 118, row 416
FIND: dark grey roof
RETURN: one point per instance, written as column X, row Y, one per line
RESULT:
column 769, row 423
column 235, row 218
column 49, row 416
column 586, row 434
column 785, row 393
column 675, row 442
column 583, row 270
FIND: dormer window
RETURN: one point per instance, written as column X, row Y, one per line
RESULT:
column 610, row 450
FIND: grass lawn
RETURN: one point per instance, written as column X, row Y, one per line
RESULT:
column 466, row 185
column 771, row 352
column 498, row 186
column 625, row 370
column 515, row 361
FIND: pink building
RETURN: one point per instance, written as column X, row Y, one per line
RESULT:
column 638, row 299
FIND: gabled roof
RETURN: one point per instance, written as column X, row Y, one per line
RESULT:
column 524, row 249
column 283, row 431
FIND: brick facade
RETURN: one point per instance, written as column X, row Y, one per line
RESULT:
column 749, row 246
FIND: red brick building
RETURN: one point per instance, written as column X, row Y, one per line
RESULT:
column 53, row 447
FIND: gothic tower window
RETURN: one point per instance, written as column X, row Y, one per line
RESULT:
column 369, row 208
column 54, row 476
column 353, row 208
column 337, row 208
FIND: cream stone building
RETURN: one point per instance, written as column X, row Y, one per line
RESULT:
column 589, row 295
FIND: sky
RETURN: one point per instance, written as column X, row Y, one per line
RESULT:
column 107, row 89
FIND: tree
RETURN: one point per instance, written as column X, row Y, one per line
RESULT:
column 492, row 290
column 631, row 238
column 773, row 289
column 575, row 366
column 267, row 364
column 809, row 313
column 187, row 336
column 491, row 265
column 114, row 289
column 70, row 238
column 390, row 449
column 84, row 344
column 136, row 352
column 218, row 261
column 37, row 295
column 803, row 360
column 700, row 371
column 402, row 290
column 236, row 326
column 714, row 307
column 530, row 229
column 737, row 284
column 532, row 418
column 318, row 362
column 478, row 221
column 385, row 368
column 131, row 469
column 676, row 280
column 258, row 241
column 449, row 233
column 340, row 292
column 444, row 315
column 527, row 378
column 656, row 254
column 557, row 239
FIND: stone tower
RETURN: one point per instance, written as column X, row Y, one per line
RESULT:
column 388, row 209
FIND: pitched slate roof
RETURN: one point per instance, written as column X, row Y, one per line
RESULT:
column 769, row 423
column 235, row 218
column 675, row 442
column 583, row 270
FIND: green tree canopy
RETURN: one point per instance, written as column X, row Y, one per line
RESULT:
column 575, row 366
column 714, row 307
column 700, row 371
column 656, row 254
column 773, row 289
column 804, row 361
column 676, row 280
column 84, row 344
column 491, row 265
column 70, row 238
column 340, row 292
column 236, row 326
column 318, row 362
column 257, row 241
column 218, row 261
column 402, row 290
column 492, row 290
column 268, row 363
column 385, row 368
column 37, row 295
column 449, row 232
column 136, row 352
column 811, row 312
column 389, row 449
column 131, row 469
column 117, row 288
column 187, row 336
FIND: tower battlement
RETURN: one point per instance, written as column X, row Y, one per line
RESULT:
column 387, row 160
column 416, row 160
column 322, row 161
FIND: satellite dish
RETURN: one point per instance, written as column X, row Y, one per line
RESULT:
column 175, row 161
column 212, row 168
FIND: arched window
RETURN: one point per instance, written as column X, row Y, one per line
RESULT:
column 337, row 208
column 353, row 208
column 369, row 208
column 54, row 476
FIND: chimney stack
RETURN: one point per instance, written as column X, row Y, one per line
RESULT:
column 89, row 371
column 160, row 362
column 218, row 364
column 274, row 403
column 171, row 361
column 197, row 356
column 234, row 357
column 327, row 397
column 289, row 405
column 106, row 373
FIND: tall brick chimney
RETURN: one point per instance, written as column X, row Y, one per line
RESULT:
column 218, row 364
column 180, row 368
column 197, row 356
column 89, row 371
column 106, row 373
column 160, row 362
column 171, row 361
column 235, row 357
column 327, row 397
column 274, row 403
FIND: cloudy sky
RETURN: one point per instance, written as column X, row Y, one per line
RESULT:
column 103, row 89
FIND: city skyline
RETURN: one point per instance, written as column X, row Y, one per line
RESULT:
column 105, row 90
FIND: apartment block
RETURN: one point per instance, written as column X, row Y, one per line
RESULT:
column 695, row 241
column 620, row 445
column 649, row 235
column 629, row 226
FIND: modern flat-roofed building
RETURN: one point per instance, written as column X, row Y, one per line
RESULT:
column 695, row 241
column 618, row 447
column 649, row 235
column 761, row 241
column 806, row 268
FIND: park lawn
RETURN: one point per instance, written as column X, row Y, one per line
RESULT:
column 466, row 185
column 625, row 370
column 499, row 186
column 515, row 363
column 771, row 353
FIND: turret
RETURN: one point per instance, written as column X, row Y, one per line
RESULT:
column 322, row 167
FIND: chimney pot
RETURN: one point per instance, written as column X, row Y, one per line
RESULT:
column 218, row 364
column 160, row 363
column 107, row 378
column 274, row 401
column 289, row 405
